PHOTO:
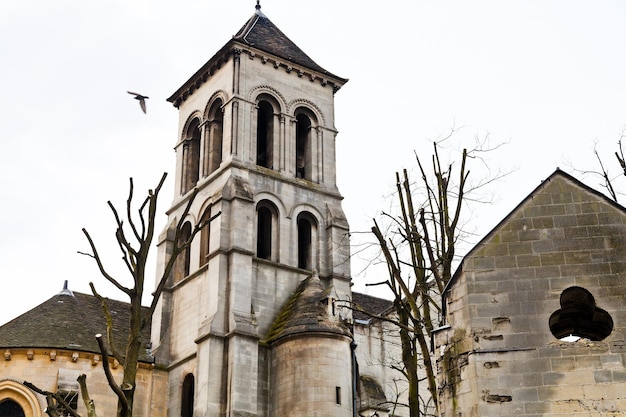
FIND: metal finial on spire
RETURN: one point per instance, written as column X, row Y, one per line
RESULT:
column 258, row 9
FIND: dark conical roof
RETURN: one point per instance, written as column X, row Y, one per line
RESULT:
column 68, row 320
column 306, row 313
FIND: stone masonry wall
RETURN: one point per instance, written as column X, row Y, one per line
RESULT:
column 311, row 376
column 46, row 369
column 498, row 356
column 379, row 354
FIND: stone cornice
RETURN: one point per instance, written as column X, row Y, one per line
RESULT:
column 259, row 170
column 33, row 354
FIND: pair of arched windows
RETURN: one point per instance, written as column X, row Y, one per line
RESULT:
column 183, row 262
column 266, row 135
column 268, row 235
column 202, row 154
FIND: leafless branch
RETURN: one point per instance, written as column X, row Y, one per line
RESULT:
column 607, row 181
column 109, row 323
column 179, row 247
column 51, row 405
column 109, row 376
column 95, row 255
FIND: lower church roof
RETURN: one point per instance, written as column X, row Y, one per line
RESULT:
column 69, row 320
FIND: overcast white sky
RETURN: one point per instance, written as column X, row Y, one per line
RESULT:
column 547, row 77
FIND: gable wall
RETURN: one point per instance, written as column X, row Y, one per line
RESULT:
column 498, row 357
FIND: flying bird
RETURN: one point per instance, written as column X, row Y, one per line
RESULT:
column 141, row 98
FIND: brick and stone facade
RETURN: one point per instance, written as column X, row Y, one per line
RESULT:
column 560, row 255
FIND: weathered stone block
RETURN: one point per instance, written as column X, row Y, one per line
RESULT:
column 525, row 395
column 562, row 364
column 528, row 260
column 542, row 222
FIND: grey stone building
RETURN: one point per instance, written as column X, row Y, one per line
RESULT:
column 255, row 318
column 536, row 312
column 255, row 321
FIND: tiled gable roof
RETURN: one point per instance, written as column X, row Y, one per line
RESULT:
column 68, row 321
column 365, row 306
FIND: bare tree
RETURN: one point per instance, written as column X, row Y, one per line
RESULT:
column 419, row 248
column 608, row 179
column 135, row 248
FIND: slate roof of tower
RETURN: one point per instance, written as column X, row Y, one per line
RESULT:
column 68, row 321
column 260, row 33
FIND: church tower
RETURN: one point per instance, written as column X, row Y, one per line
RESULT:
column 260, row 285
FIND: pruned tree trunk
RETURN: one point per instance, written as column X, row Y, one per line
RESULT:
column 419, row 249
column 135, row 251
column 84, row 393
column 135, row 257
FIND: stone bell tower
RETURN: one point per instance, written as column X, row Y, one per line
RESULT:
column 256, row 139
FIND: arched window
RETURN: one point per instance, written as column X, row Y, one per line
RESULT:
column 205, row 237
column 191, row 157
column 579, row 317
column 17, row 401
column 182, row 262
column 307, row 236
column 9, row 408
column 267, row 231
column 213, row 146
column 265, row 135
column 186, row 406
column 303, row 147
